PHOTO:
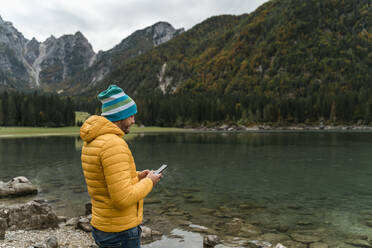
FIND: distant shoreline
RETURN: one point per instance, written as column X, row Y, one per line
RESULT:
column 24, row 132
column 265, row 127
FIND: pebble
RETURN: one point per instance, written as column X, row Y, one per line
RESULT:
column 67, row 236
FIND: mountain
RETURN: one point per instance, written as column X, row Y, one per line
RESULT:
column 32, row 64
column 134, row 45
column 300, row 41
column 67, row 62
column 13, row 71
column 288, row 61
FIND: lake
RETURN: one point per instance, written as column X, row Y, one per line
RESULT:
column 280, row 182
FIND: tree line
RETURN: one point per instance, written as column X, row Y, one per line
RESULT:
column 180, row 110
column 36, row 110
column 191, row 110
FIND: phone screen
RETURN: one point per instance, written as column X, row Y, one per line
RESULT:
column 161, row 169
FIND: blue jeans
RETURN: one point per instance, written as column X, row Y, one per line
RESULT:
column 130, row 238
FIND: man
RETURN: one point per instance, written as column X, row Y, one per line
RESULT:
column 116, row 189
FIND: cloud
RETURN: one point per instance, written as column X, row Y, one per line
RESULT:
column 106, row 23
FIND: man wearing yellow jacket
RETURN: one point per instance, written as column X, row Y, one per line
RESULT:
column 115, row 187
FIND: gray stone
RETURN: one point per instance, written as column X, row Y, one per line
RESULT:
column 258, row 244
column 38, row 245
column 307, row 239
column 155, row 234
column 84, row 224
column 198, row 228
column 18, row 186
column 72, row 221
column 62, row 219
column 149, row 235
column 51, row 242
column 279, row 245
column 210, row 240
column 37, row 214
column 146, row 233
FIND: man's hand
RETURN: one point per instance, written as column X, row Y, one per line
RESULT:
column 143, row 174
column 154, row 177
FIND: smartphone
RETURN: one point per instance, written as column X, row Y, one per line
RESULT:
column 161, row 169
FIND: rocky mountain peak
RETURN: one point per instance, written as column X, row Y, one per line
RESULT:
column 32, row 51
column 79, row 34
column 10, row 35
column 57, row 62
column 162, row 32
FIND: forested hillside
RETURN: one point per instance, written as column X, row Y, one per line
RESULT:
column 288, row 62
column 35, row 110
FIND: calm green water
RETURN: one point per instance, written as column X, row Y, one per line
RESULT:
column 276, row 180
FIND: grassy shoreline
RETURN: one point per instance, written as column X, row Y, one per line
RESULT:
column 10, row 132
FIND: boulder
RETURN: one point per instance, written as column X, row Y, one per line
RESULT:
column 149, row 235
column 72, row 222
column 50, row 242
column 18, row 186
column 36, row 214
column 210, row 240
column 84, row 224
column 146, row 233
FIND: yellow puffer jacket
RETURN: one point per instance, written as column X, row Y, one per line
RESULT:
column 110, row 173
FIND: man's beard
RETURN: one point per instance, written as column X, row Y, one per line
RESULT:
column 125, row 129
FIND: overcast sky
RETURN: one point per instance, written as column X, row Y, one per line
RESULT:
column 106, row 22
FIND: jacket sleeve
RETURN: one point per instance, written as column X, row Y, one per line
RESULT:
column 117, row 170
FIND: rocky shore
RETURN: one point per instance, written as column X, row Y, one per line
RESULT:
column 300, row 127
column 35, row 225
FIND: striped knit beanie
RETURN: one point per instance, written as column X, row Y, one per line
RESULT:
column 116, row 105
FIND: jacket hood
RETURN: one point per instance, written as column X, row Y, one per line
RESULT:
column 95, row 126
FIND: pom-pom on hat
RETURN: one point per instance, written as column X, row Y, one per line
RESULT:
column 116, row 105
